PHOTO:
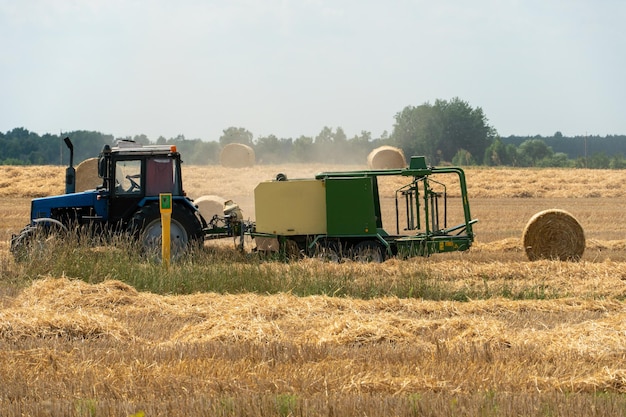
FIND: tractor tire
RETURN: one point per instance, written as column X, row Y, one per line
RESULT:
column 185, row 230
column 368, row 251
column 37, row 241
column 21, row 244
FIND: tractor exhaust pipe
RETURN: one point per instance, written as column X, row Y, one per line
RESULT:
column 70, row 172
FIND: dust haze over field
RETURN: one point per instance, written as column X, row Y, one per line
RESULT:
column 70, row 346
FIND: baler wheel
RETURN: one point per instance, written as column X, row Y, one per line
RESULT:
column 368, row 251
column 328, row 251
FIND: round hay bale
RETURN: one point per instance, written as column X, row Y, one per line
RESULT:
column 210, row 205
column 554, row 234
column 87, row 175
column 386, row 157
column 237, row 155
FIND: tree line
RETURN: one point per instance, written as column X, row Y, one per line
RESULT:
column 446, row 132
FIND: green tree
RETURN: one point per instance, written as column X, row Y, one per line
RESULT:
column 236, row 135
column 500, row 154
column 360, row 146
column 439, row 131
column 271, row 150
column 557, row 159
column 20, row 146
column 531, row 151
column 267, row 149
column 200, row 152
column 340, row 136
column 464, row 127
column 342, row 150
column 417, row 131
column 617, row 162
column 598, row 160
column 302, row 149
column 329, row 146
column 463, row 158
column 87, row 144
column 325, row 136
column 143, row 139
column 24, row 147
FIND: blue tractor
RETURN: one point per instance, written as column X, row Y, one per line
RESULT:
column 127, row 201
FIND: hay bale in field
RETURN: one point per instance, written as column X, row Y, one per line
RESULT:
column 386, row 157
column 237, row 155
column 554, row 234
column 210, row 205
column 87, row 175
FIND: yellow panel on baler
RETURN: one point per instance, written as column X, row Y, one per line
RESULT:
column 293, row 207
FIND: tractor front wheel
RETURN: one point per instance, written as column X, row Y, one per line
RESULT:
column 37, row 241
column 185, row 230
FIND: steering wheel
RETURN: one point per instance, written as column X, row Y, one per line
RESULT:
column 133, row 183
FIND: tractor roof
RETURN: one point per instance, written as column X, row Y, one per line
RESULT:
column 125, row 147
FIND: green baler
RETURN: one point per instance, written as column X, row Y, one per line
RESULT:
column 339, row 215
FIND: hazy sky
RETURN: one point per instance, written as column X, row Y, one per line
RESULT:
column 289, row 68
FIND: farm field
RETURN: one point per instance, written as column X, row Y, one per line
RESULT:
column 495, row 335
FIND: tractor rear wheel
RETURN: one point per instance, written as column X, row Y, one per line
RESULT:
column 185, row 230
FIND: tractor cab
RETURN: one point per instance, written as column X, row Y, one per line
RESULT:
column 134, row 175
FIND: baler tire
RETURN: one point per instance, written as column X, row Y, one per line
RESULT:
column 185, row 230
column 329, row 251
column 368, row 251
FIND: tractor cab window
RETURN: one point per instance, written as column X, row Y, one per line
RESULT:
column 128, row 177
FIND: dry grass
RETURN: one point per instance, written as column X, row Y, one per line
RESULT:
column 72, row 348
column 62, row 337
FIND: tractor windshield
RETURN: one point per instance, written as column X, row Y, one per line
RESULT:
column 128, row 177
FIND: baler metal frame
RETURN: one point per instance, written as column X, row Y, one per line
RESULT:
column 433, row 239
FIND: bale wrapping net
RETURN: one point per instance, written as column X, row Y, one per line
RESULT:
column 386, row 157
column 554, row 234
column 87, row 175
column 237, row 155
column 210, row 205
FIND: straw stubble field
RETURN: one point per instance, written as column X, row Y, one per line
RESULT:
column 72, row 348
